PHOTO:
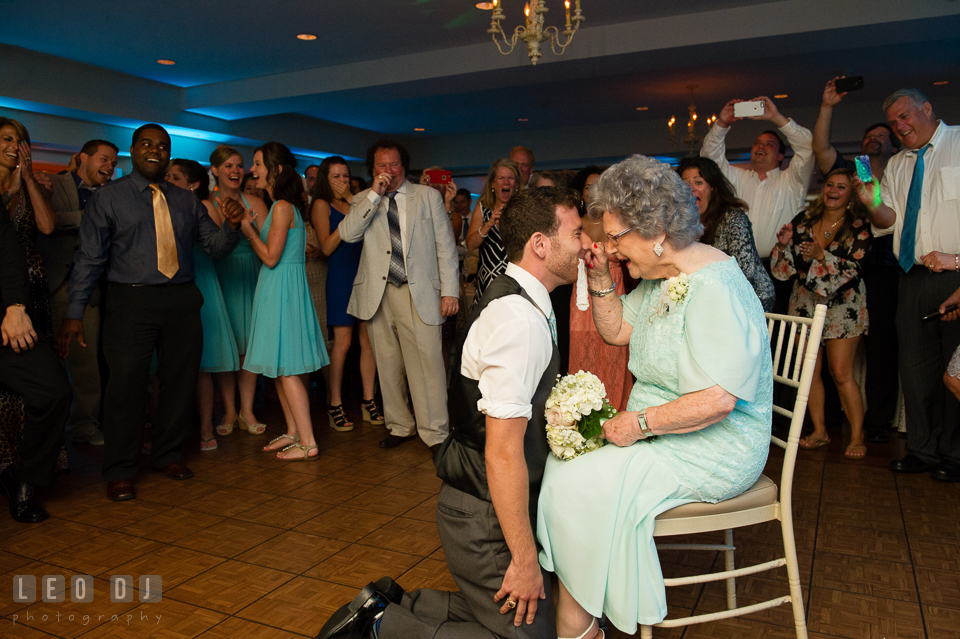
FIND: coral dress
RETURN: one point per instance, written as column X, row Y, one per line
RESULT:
column 285, row 336
column 596, row 513
column 588, row 352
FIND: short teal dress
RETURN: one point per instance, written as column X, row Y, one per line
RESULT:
column 238, row 273
column 219, row 347
column 596, row 512
column 285, row 338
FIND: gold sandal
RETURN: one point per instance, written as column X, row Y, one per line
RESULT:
column 294, row 438
column 304, row 449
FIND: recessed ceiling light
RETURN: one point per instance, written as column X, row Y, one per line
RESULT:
column 940, row 83
column 781, row 96
column 523, row 119
column 486, row 6
column 642, row 108
column 165, row 62
column 306, row 36
column 419, row 129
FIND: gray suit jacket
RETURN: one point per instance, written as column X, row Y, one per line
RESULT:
column 58, row 248
column 431, row 253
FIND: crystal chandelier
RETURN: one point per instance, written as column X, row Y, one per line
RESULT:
column 534, row 32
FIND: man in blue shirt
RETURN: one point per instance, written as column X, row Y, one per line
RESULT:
column 140, row 231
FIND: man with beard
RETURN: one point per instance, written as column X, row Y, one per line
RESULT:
column 881, row 273
column 71, row 190
column 140, row 230
column 492, row 463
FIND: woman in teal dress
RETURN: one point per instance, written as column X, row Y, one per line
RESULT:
column 285, row 340
column 219, row 349
column 697, row 424
column 238, row 273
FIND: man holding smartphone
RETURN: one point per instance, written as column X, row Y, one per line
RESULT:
column 919, row 204
column 773, row 196
column 881, row 273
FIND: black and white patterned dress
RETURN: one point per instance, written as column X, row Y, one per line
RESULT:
column 493, row 257
column 734, row 237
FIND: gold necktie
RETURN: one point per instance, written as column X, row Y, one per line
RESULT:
column 167, row 262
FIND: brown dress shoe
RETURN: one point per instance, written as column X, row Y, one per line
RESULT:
column 176, row 470
column 121, row 490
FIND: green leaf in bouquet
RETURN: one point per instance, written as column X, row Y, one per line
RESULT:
column 590, row 426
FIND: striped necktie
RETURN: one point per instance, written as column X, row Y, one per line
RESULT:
column 397, row 274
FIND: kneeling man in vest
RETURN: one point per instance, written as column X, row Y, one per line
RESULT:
column 492, row 462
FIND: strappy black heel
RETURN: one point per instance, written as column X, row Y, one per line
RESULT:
column 371, row 413
column 338, row 420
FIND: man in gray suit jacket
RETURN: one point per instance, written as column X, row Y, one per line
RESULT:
column 98, row 159
column 406, row 285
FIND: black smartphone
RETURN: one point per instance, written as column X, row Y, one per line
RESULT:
column 938, row 314
column 845, row 85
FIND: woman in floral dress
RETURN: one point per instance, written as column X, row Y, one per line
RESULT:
column 822, row 247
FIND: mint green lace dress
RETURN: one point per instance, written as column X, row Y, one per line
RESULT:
column 596, row 512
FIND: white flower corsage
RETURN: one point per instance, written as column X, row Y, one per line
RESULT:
column 673, row 293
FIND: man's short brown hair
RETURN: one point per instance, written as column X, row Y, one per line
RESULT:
column 532, row 211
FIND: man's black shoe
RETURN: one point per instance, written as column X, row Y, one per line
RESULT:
column 356, row 619
column 911, row 464
column 947, row 471
column 392, row 441
column 24, row 507
column 390, row 588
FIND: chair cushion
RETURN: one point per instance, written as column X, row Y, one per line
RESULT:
column 762, row 493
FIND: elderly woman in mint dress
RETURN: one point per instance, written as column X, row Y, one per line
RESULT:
column 704, row 389
column 285, row 340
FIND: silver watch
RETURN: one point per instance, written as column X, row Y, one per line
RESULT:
column 642, row 424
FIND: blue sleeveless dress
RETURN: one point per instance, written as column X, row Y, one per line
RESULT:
column 285, row 338
column 238, row 273
column 342, row 269
column 219, row 346
column 596, row 512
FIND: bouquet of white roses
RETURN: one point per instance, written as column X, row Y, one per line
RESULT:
column 575, row 411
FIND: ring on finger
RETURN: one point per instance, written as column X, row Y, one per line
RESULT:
column 510, row 603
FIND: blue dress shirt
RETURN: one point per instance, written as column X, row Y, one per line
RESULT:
column 117, row 234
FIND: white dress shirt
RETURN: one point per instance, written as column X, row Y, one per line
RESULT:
column 776, row 199
column 938, row 227
column 401, row 199
column 508, row 349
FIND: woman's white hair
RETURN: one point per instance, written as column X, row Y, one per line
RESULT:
column 649, row 196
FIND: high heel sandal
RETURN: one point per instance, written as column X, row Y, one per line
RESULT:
column 253, row 429
column 371, row 413
column 338, row 420
column 226, row 429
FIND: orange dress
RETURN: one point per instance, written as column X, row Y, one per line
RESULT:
column 588, row 352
